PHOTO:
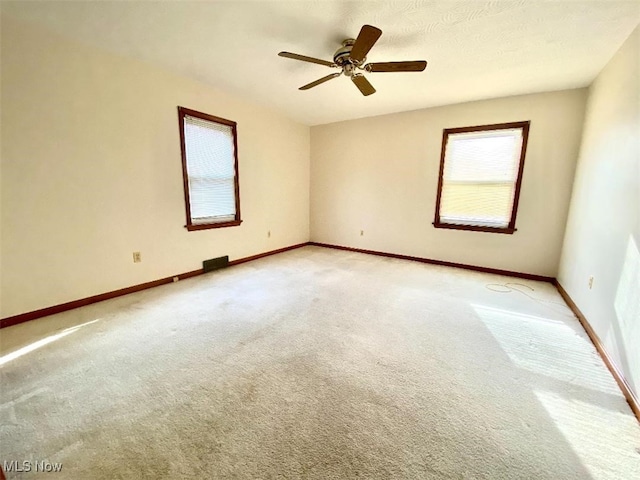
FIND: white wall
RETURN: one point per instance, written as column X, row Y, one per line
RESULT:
column 380, row 175
column 91, row 171
column 603, row 231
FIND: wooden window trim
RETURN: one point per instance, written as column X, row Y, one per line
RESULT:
column 190, row 226
column 511, row 227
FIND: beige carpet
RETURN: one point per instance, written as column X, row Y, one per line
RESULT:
column 318, row 364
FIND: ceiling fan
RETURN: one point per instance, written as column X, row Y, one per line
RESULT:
column 351, row 57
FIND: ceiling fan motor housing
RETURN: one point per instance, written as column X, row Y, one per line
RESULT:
column 342, row 57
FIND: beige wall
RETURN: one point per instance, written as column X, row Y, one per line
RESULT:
column 380, row 175
column 603, row 231
column 91, row 172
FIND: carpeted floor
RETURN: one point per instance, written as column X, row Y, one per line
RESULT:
column 317, row 364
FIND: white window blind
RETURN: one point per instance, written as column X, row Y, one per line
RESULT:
column 479, row 177
column 210, row 159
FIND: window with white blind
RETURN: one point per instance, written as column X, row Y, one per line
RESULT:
column 210, row 169
column 480, row 177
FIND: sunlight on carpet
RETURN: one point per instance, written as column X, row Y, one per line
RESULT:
column 548, row 347
column 602, row 450
column 41, row 343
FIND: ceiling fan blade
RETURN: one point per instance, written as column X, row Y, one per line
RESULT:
column 304, row 58
column 319, row 81
column 367, row 37
column 417, row 66
column 363, row 85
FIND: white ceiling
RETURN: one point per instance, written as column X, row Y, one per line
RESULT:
column 476, row 49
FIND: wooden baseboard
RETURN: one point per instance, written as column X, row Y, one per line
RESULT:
column 528, row 276
column 63, row 307
column 628, row 393
column 266, row 254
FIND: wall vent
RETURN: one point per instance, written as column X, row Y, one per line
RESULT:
column 215, row 263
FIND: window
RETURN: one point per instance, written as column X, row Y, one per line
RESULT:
column 480, row 177
column 210, row 169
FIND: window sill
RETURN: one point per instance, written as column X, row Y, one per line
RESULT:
column 475, row 228
column 207, row 226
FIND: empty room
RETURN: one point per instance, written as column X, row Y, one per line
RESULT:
column 320, row 239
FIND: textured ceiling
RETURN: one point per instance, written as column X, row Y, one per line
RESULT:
column 476, row 49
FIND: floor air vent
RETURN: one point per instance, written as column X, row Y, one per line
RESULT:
column 215, row 263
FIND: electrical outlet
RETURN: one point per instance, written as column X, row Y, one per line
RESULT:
column 590, row 282
column 137, row 258
column 362, row 233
